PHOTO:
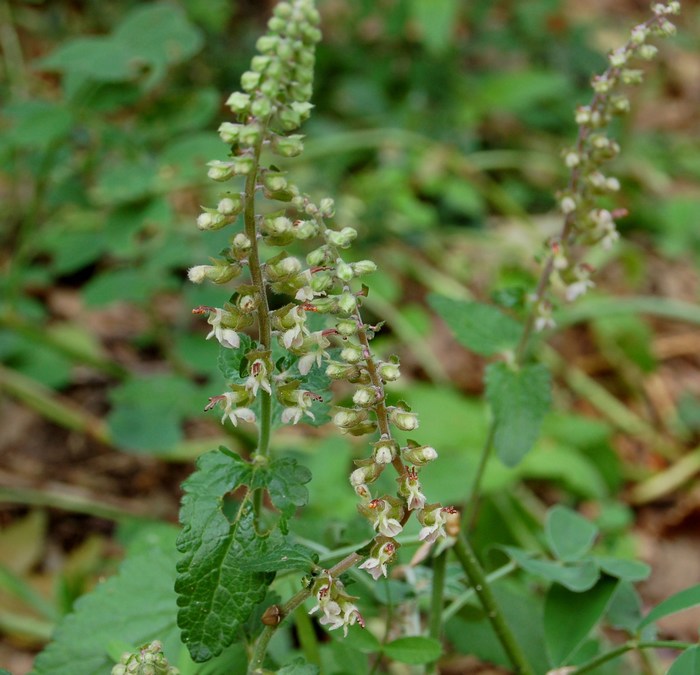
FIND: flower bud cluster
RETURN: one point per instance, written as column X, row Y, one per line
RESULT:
column 274, row 102
column 149, row 660
column 585, row 222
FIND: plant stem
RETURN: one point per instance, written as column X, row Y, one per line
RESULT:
column 256, row 662
column 264, row 327
column 470, row 507
column 437, row 600
column 477, row 577
column 628, row 646
column 307, row 636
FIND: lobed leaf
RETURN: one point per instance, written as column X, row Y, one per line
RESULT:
column 519, row 400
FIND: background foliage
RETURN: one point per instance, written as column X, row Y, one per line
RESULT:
column 438, row 127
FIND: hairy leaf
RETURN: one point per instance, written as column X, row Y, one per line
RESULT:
column 226, row 566
column 519, row 399
column 482, row 328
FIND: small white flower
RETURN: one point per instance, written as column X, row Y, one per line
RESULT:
column 336, row 606
column 389, row 527
column 415, row 499
column 231, row 399
column 258, row 378
column 316, row 344
column 294, row 413
column 577, row 289
column 433, row 525
column 227, row 337
column 377, row 565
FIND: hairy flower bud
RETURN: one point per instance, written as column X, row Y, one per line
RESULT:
column 389, row 372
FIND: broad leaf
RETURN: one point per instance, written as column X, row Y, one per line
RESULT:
column 685, row 599
column 577, row 577
column 216, row 594
column 569, row 617
column 519, row 399
column 626, row 570
column 482, row 328
column 414, row 650
column 278, row 553
column 299, row 667
column 286, row 483
column 569, row 535
column 135, row 606
column 688, row 662
column 625, row 608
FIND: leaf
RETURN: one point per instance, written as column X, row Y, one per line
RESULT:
column 99, row 58
column 627, row 570
column 688, row 662
column 414, row 650
column 216, row 594
column 278, row 553
column 286, row 484
column 569, row 617
column 135, row 606
column 299, row 667
column 436, row 20
column 569, row 535
column 231, row 361
column 577, row 577
column 685, row 599
column 482, row 328
column 625, row 608
column 519, row 400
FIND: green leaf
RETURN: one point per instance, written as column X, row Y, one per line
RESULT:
column 569, row 535
column 626, row 570
column 286, row 483
column 685, row 599
column 98, row 58
column 577, row 577
column 299, row 667
column 135, row 606
column 519, row 400
column 437, row 20
column 688, row 662
column 278, row 553
column 482, row 328
column 360, row 639
column 232, row 361
column 414, row 650
column 569, row 617
column 216, row 595
column 625, row 608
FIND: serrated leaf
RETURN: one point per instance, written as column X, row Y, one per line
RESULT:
column 286, row 483
column 414, row 650
column 569, row 535
column 279, row 553
column 565, row 630
column 232, row 360
column 216, row 595
column 519, row 400
column 482, row 328
column 685, row 599
column 688, row 662
column 135, row 606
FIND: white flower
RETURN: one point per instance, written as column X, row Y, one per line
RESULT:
column 433, row 525
column 258, row 378
column 389, row 527
column 336, row 606
column 231, row 399
column 316, row 344
column 198, row 273
column 415, row 499
column 227, row 337
column 377, row 565
column 304, row 401
column 577, row 289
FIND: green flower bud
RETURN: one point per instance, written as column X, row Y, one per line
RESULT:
column 343, row 271
column 229, row 133
column 385, row 451
column 267, row 43
column 274, row 182
column 250, row 80
column 243, row 165
column 321, row 281
column 341, row 239
column 261, row 106
column 278, row 225
column 365, row 397
column 219, row 273
column 241, row 245
column 318, row 257
column 283, row 10
column 211, row 220
column 347, row 303
column 238, row 102
column 341, row 371
column 403, row 419
column 305, row 229
column 288, row 146
column 363, row 267
column 220, row 171
column 231, row 205
column 250, row 133
column 346, row 327
column 419, row 455
column 389, row 372
column 260, row 62
column 346, row 418
column 352, row 353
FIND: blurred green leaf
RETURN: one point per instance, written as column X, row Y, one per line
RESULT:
column 565, row 630
column 482, row 328
column 99, row 58
column 577, row 577
column 569, row 535
column 436, row 22
column 519, row 399
column 685, row 599
column 414, row 650
column 688, row 662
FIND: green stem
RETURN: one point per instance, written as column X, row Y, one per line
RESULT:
column 628, row 646
column 437, row 600
column 307, row 636
column 477, row 577
column 470, row 508
column 256, row 662
column 264, row 327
